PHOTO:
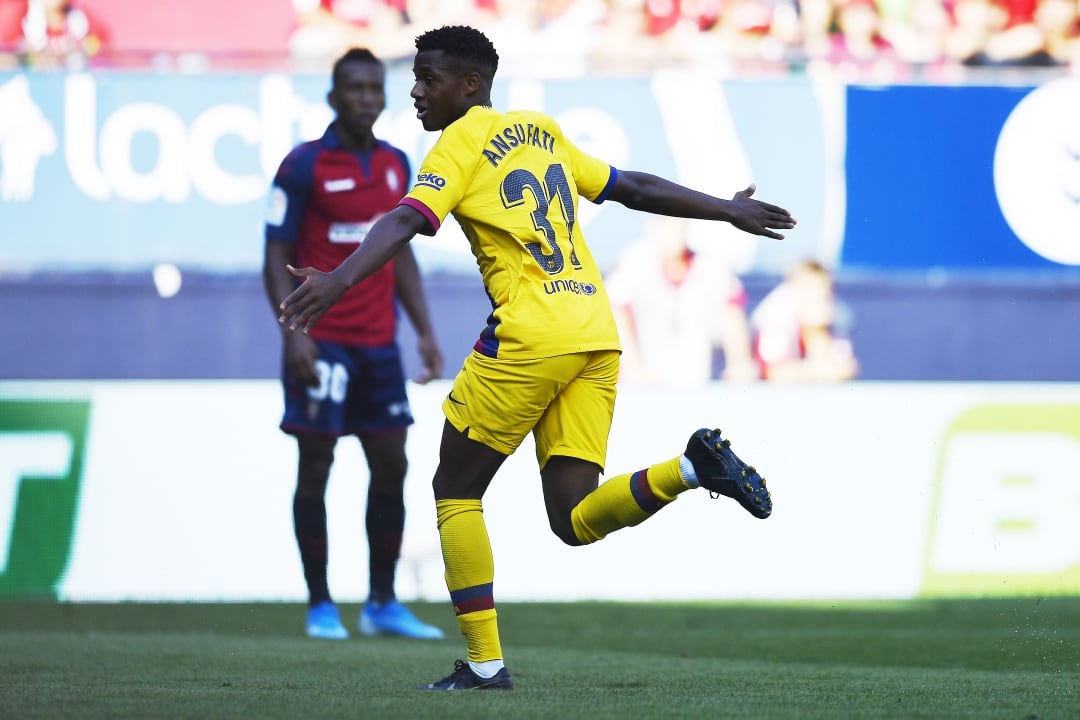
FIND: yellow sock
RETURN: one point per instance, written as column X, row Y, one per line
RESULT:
column 470, row 573
column 626, row 500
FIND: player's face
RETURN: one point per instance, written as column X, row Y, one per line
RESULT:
column 439, row 90
column 358, row 96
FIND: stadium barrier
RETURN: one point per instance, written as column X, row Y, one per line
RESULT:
column 173, row 491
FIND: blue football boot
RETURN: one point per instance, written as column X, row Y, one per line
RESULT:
column 324, row 622
column 393, row 618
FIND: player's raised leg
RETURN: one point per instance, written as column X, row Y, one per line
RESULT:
column 622, row 501
column 630, row 499
column 571, row 447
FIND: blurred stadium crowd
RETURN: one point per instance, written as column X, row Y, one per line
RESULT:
column 862, row 40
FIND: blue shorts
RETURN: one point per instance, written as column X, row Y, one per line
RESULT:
column 361, row 390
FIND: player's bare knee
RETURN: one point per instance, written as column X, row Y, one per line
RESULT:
column 564, row 530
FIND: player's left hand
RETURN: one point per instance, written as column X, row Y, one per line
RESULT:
column 758, row 218
column 431, row 358
column 307, row 303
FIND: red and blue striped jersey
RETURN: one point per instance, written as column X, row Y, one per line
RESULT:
column 324, row 199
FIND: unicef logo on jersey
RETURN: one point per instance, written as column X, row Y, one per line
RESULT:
column 557, row 286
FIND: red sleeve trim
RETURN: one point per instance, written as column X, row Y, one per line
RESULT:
column 424, row 210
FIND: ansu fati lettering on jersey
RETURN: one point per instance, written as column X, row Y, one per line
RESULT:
column 324, row 199
column 512, row 182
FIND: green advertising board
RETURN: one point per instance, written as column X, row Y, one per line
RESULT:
column 42, row 447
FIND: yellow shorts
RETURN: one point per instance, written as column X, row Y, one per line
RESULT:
column 566, row 401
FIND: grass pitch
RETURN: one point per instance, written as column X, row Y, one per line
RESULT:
column 1015, row 659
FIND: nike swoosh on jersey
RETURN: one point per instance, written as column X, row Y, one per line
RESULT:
column 453, row 399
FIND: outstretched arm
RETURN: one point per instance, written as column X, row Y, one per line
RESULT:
column 649, row 193
column 305, row 305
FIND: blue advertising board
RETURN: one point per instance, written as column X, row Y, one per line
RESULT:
column 966, row 178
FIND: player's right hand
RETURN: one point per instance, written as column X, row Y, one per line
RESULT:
column 307, row 303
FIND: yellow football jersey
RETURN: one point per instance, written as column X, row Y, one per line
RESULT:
column 512, row 181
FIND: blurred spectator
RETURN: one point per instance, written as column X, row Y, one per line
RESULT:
column 661, row 16
column 1059, row 21
column 570, row 27
column 546, row 38
column 856, row 47
column 988, row 33
column 817, row 26
column 857, row 40
column 12, row 13
column 622, row 45
column 327, row 28
column 429, row 14
column 673, row 26
column 674, row 307
column 916, row 29
column 711, row 34
column 753, row 34
column 643, row 35
column 799, row 335
column 856, row 35
column 50, row 33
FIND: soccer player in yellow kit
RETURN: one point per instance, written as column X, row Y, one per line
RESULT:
column 548, row 360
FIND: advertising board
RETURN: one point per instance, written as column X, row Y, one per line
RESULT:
column 113, row 491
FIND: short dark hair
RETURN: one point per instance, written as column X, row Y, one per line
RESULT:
column 356, row 54
column 462, row 43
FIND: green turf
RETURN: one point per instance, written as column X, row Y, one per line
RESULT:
column 1013, row 659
